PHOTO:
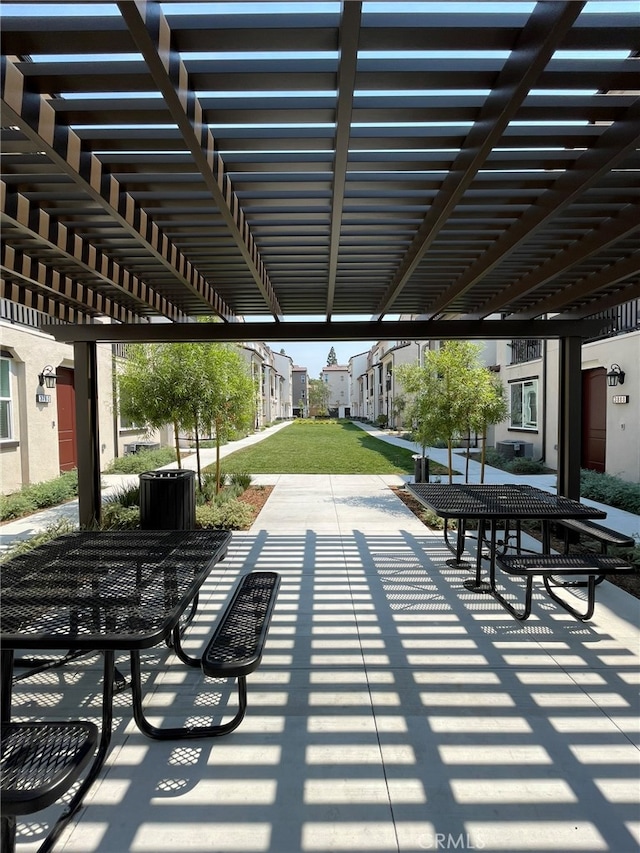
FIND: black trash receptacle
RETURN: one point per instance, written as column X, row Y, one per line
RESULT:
column 168, row 500
column 421, row 469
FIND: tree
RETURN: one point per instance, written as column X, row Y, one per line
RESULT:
column 420, row 384
column 492, row 408
column 150, row 388
column 318, row 397
column 450, row 394
column 227, row 403
column 192, row 386
column 332, row 358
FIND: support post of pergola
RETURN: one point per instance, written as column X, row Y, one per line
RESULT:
column 87, row 433
column 570, row 417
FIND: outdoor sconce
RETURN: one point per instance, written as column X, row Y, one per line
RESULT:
column 47, row 378
column 615, row 376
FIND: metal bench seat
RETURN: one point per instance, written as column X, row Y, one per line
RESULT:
column 602, row 534
column 40, row 761
column 236, row 645
column 547, row 566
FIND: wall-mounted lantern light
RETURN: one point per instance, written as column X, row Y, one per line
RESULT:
column 47, row 378
column 615, row 376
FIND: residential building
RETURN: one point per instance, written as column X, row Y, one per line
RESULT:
column 610, row 440
column 38, row 418
column 337, row 379
column 300, row 392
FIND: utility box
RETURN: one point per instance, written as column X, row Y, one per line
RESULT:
column 515, row 449
column 168, row 500
column 137, row 446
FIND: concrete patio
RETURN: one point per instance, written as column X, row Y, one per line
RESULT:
column 394, row 710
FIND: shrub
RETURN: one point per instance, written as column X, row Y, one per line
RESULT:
column 39, row 496
column 520, row 465
column 230, row 515
column 435, row 522
column 138, row 463
column 241, row 478
column 227, row 494
column 52, row 531
column 125, row 496
column 16, row 505
column 610, row 490
column 118, row 517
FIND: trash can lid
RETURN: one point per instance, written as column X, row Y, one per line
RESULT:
column 168, row 474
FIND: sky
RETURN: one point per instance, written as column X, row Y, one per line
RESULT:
column 314, row 356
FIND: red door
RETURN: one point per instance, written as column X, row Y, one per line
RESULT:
column 594, row 419
column 66, row 394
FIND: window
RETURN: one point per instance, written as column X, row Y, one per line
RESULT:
column 125, row 423
column 524, row 404
column 5, row 399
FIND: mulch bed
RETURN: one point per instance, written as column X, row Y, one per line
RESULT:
column 256, row 497
column 629, row 583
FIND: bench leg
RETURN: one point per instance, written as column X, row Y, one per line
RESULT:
column 8, row 833
column 169, row 733
column 519, row 614
column 591, row 597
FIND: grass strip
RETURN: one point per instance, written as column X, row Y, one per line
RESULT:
column 322, row 447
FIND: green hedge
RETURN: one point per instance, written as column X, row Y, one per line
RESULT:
column 610, row 490
column 138, row 463
column 37, row 496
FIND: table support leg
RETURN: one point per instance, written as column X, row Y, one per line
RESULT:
column 476, row 584
column 457, row 562
column 99, row 758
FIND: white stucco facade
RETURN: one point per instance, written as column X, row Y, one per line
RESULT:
column 29, row 452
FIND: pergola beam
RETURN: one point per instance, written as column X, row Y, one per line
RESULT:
column 545, row 29
column 615, row 144
column 35, row 116
column 610, row 232
column 335, row 331
column 617, row 272
column 50, row 232
column 152, row 34
column 349, row 35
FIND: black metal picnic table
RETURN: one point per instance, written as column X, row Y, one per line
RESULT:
column 103, row 591
column 495, row 503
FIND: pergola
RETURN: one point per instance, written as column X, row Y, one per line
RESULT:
column 449, row 162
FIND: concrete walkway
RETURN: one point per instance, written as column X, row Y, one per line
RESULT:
column 394, row 709
column 11, row 532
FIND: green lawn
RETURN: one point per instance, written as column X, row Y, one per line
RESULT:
column 322, row 447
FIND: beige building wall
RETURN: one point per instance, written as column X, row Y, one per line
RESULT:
column 337, row 379
column 31, row 455
column 622, row 456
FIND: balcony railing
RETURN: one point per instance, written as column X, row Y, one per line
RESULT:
column 525, row 350
column 624, row 318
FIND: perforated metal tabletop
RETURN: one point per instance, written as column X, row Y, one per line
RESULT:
column 105, row 589
column 513, row 501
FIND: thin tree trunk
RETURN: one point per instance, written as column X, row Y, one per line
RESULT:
column 197, row 428
column 450, row 455
column 177, row 440
column 217, row 458
column 466, row 467
column 484, row 447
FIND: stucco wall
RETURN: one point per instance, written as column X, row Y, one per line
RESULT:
column 31, row 455
column 622, row 457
